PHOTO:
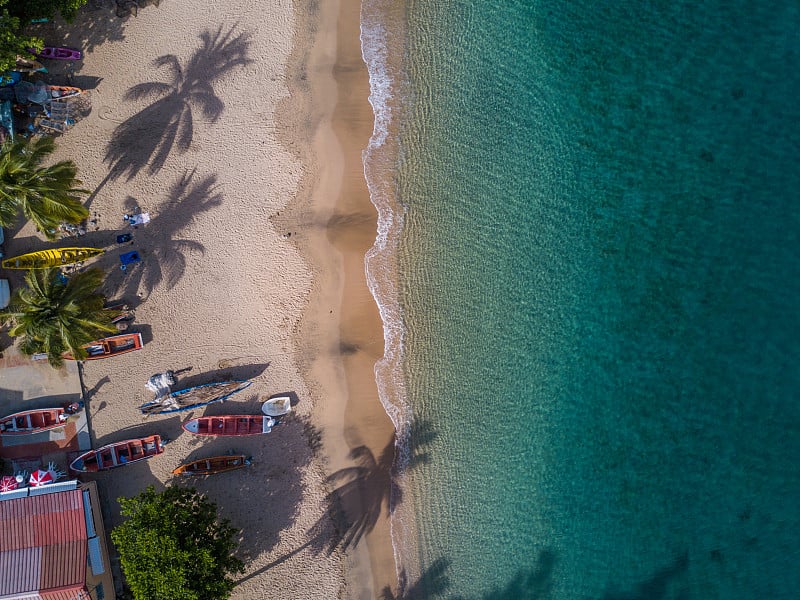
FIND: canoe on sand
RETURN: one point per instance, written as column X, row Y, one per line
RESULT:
column 230, row 425
column 193, row 397
column 118, row 454
column 111, row 346
column 57, row 53
column 215, row 464
column 44, row 259
column 33, row 421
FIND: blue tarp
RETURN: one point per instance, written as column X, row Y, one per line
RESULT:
column 129, row 258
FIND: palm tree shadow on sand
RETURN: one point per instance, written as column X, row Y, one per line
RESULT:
column 361, row 492
column 147, row 138
column 164, row 255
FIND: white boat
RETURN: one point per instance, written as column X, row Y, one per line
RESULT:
column 275, row 407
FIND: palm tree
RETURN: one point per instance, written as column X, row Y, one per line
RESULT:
column 48, row 196
column 53, row 315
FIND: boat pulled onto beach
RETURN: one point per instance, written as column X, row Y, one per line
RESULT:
column 57, row 53
column 277, row 407
column 193, row 397
column 213, row 465
column 118, row 454
column 110, row 346
column 230, row 425
column 57, row 257
column 33, row 421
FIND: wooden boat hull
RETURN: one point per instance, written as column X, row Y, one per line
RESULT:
column 193, row 397
column 118, row 454
column 213, row 465
column 33, row 421
column 111, row 346
column 58, row 257
column 230, row 425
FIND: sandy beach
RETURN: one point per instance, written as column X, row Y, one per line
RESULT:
column 240, row 135
column 341, row 334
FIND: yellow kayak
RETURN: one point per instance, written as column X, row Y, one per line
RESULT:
column 44, row 259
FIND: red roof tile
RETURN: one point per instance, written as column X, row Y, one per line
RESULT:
column 43, row 544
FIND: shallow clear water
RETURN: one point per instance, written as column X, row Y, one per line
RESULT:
column 599, row 285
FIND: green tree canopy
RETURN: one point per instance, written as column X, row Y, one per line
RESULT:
column 48, row 196
column 27, row 10
column 12, row 42
column 174, row 546
column 54, row 316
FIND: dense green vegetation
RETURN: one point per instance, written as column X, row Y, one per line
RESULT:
column 175, row 547
column 12, row 41
column 15, row 15
column 48, row 196
column 28, row 10
column 53, row 314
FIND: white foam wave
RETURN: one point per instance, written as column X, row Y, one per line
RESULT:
column 381, row 260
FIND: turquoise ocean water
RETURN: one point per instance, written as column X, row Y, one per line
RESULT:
column 591, row 210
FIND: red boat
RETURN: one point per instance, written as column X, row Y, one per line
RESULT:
column 57, row 53
column 33, row 421
column 111, row 346
column 230, row 425
column 118, row 454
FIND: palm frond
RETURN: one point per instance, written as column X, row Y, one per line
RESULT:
column 48, row 195
column 55, row 317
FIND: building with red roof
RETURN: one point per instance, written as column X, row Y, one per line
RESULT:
column 52, row 544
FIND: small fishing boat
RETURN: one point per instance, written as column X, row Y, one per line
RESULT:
column 276, row 407
column 215, row 464
column 57, row 53
column 230, row 425
column 118, row 454
column 63, row 91
column 110, row 346
column 33, row 421
column 193, row 397
column 58, row 257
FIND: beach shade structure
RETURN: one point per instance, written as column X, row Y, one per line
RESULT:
column 129, row 258
column 41, row 477
column 8, row 483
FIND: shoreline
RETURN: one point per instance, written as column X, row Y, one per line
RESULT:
column 341, row 329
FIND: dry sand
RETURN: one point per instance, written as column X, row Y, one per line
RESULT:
column 252, row 267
